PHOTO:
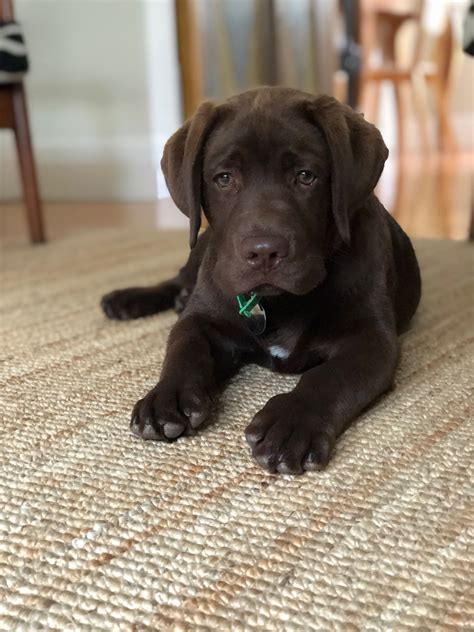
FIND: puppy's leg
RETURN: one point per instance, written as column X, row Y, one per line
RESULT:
column 135, row 302
column 296, row 431
column 198, row 359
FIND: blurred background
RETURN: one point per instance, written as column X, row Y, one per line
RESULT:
column 110, row 80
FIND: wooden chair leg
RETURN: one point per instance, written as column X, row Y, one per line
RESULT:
column 27, row 164
column 370, row 106
column 401, row 116
column 421, row 109
column 471, row 223
column 446, row 137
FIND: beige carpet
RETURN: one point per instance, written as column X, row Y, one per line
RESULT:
column 99, row 530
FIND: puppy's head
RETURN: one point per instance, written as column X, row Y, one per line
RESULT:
column 279, row 175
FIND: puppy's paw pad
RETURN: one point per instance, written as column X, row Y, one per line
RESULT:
column 120, row 304
column 173, row 429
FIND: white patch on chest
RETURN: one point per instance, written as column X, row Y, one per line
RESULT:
column 278, row 352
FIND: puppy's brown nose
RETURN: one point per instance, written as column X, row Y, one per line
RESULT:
column 264, row 252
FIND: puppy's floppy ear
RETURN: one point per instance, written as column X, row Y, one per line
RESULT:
column 182, row 165
column 357, row 152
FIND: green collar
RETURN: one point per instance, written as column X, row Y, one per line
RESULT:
column 247, row 303
column 253, row 312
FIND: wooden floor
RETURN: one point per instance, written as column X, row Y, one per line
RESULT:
column 430, row 196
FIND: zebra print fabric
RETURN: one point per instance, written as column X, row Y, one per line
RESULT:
column 468, row 39
column 13, row 57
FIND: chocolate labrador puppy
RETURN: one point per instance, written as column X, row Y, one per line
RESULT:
column 302, row 270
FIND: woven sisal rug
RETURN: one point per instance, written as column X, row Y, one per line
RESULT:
column 99, row 530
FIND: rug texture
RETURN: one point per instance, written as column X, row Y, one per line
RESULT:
column 102, row 531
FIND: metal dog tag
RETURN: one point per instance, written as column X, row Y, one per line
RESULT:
column 257, row 321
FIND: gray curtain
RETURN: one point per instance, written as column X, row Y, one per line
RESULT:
column 245, row 43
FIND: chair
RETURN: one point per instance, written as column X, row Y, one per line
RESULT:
column 381, row 21
column 14, row 115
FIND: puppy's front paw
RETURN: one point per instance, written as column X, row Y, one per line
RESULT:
column 170, row 411
column 286, row 436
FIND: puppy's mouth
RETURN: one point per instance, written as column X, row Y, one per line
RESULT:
column 266, row 289
column 297, row 280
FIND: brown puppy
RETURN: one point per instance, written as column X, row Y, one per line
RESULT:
column 286, row 182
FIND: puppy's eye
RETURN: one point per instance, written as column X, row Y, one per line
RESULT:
column 305, row 177
column 223, row 179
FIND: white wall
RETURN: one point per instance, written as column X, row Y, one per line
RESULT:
column 103, row 95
